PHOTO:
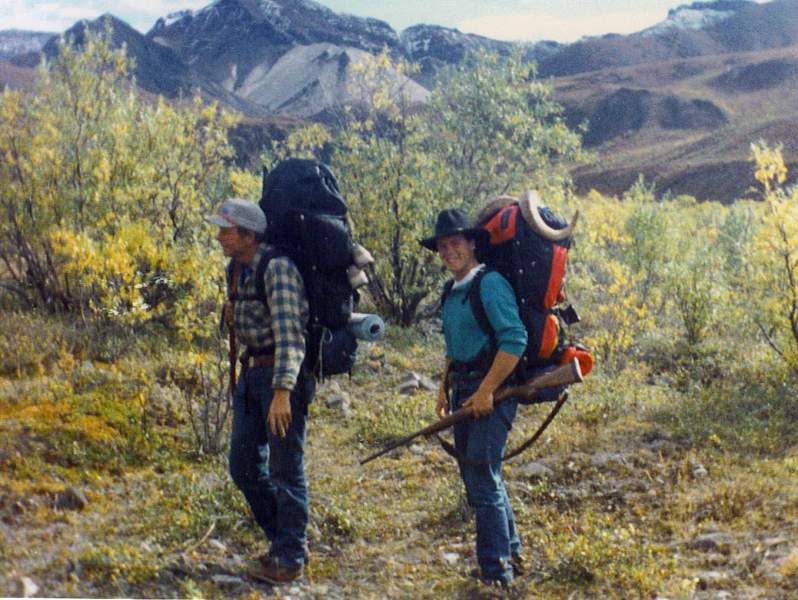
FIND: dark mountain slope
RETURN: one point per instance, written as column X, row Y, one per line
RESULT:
column 158, row 70
column 686, row 125
column 735, row 27
column 226, row 40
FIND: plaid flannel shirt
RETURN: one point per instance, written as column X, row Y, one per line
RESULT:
column 281, row 325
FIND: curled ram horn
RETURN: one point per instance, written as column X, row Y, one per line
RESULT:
column 529, row 203
column 361, row 256
column 357, row 277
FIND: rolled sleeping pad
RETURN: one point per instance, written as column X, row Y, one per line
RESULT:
column 369, row 328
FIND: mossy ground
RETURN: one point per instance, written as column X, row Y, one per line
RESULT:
column 643, row 462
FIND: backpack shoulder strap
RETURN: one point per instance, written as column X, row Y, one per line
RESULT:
column 447, row 289
column 474, row 296
column 260, row 272
column 231, row 276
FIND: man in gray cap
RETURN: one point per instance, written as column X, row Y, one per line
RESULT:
column 270, row 401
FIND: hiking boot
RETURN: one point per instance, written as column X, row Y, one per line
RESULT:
column 271, row 571
column 502, row 582
column 266, row 557
column 496, row 583
column 517, row 562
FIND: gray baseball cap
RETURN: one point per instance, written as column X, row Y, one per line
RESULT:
column 237, row 212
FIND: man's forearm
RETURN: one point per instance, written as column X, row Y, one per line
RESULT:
column 503, row 365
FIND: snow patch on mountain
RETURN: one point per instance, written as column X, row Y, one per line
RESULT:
column 698, row 15
column 174, row 17
column 14, row 42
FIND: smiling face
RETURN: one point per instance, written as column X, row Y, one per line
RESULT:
column 458, row 254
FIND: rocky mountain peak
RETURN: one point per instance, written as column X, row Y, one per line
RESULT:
column 443, row 43
column 291, row 21
column 698, row 15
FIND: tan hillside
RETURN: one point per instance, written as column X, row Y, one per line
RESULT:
column 687, row 125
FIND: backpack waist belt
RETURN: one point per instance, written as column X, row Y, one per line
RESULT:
column 258, row 357
column 475, row 368
column 258, row 361
column 466, row 369
column 479, row 365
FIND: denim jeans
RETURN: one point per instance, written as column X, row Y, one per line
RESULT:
column 480, row 443
column 268, row 469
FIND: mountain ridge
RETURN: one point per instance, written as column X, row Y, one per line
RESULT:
column 648, row 97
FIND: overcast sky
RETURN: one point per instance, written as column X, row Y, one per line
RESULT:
column 561, row 20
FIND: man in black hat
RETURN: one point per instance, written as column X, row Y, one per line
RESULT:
column 477, row 363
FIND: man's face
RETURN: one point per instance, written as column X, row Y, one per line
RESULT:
column 457, row 253
column 234, row 243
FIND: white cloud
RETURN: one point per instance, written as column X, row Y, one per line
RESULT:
column 58, row 15
column 534, row 27
column 43, row 16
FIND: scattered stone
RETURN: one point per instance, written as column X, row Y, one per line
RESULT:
column 338, row 400
column 409, row 384
column 425, row 383
column 772, row 542
column 536, row 470
column 319, row 591
column 228, row 582
column 451, row 558
column 603, row 459
column 410, row 376
column 712, row 542
column 26, row 587
column 709, row 579
column 330, row 386
column 416, row 449
column 723, row 595
column 218, row 545
column 71, row 499
column 699, row 471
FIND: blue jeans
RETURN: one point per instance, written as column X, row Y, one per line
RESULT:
column 480, row 443
column 268, row 469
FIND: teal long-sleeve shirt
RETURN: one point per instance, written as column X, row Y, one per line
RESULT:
column 464, row 338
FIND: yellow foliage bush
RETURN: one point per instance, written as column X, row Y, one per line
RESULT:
column 773, row 287
column 103, row 195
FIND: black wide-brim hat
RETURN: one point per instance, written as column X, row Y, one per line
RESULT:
column 453, row 221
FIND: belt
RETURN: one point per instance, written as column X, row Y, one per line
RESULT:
column 258, row 361
column 468, row 370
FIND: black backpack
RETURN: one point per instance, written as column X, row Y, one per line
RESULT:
column 528, row 246
column 306, row 221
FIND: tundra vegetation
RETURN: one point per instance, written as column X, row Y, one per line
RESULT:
column 671, row 472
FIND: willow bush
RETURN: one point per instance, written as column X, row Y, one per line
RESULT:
column 103, row 193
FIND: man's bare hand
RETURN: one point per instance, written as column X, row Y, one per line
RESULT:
column 442, row 405
column 280, row 413
column 481, row 403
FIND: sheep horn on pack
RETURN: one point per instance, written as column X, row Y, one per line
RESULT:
column 529, row 203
